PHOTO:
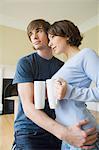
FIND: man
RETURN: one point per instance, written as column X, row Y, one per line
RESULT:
column 37, row 129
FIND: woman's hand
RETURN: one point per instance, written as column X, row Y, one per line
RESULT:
column 80, row 138
column 61, row 88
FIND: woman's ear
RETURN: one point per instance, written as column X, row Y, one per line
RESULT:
column 67, row 40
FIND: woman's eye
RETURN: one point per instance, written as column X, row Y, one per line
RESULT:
column 52, row 36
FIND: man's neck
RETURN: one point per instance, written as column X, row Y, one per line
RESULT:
column 45, row 53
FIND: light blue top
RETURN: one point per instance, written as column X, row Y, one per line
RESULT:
column 79, row 72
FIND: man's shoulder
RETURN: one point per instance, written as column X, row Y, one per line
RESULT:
column 27, row 58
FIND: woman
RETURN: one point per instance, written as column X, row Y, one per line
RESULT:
column 81, row 68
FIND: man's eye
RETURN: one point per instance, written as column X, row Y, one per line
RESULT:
column 39, row 31
column 30, row 33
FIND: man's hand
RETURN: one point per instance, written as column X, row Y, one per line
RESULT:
column 61, row 88
column 80, row 138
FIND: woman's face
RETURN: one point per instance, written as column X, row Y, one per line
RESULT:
column 57, row 43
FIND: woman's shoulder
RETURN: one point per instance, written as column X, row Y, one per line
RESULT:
column 88, row 50
column 88, row 53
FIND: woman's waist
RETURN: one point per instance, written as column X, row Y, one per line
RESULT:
column 71, row 112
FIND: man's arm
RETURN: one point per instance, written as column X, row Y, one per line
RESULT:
column 74, row 135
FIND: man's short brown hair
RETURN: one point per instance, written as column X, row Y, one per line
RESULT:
column 38, row 23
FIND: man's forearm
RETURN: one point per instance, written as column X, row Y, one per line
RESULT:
column 73, row 135
column 44, row 121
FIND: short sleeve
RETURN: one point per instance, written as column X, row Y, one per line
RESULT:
column 23, row 72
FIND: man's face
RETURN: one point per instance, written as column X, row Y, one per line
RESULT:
column 39, row 38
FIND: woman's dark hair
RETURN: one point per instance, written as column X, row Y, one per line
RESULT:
column 66, row 28
column 35, row 24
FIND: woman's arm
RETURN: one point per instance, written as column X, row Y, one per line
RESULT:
column 91, row 69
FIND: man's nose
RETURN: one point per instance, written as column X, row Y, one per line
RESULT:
column 35, row 36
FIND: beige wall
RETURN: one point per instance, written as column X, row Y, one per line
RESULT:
column 91, row 39
column 14, row 43
column 98, row 39
column 1, row 44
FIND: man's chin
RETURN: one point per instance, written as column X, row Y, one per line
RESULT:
column 36, row 47
column 41, row 47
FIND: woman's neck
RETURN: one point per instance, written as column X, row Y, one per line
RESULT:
column 71, row 51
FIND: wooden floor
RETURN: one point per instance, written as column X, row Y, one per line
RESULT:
column 6, row 130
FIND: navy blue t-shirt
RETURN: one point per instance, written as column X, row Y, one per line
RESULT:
column 29, row 69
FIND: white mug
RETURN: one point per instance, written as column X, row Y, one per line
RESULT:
column 51, row 93
column 39, row 94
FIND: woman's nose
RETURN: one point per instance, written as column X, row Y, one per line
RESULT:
column 50, row 44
